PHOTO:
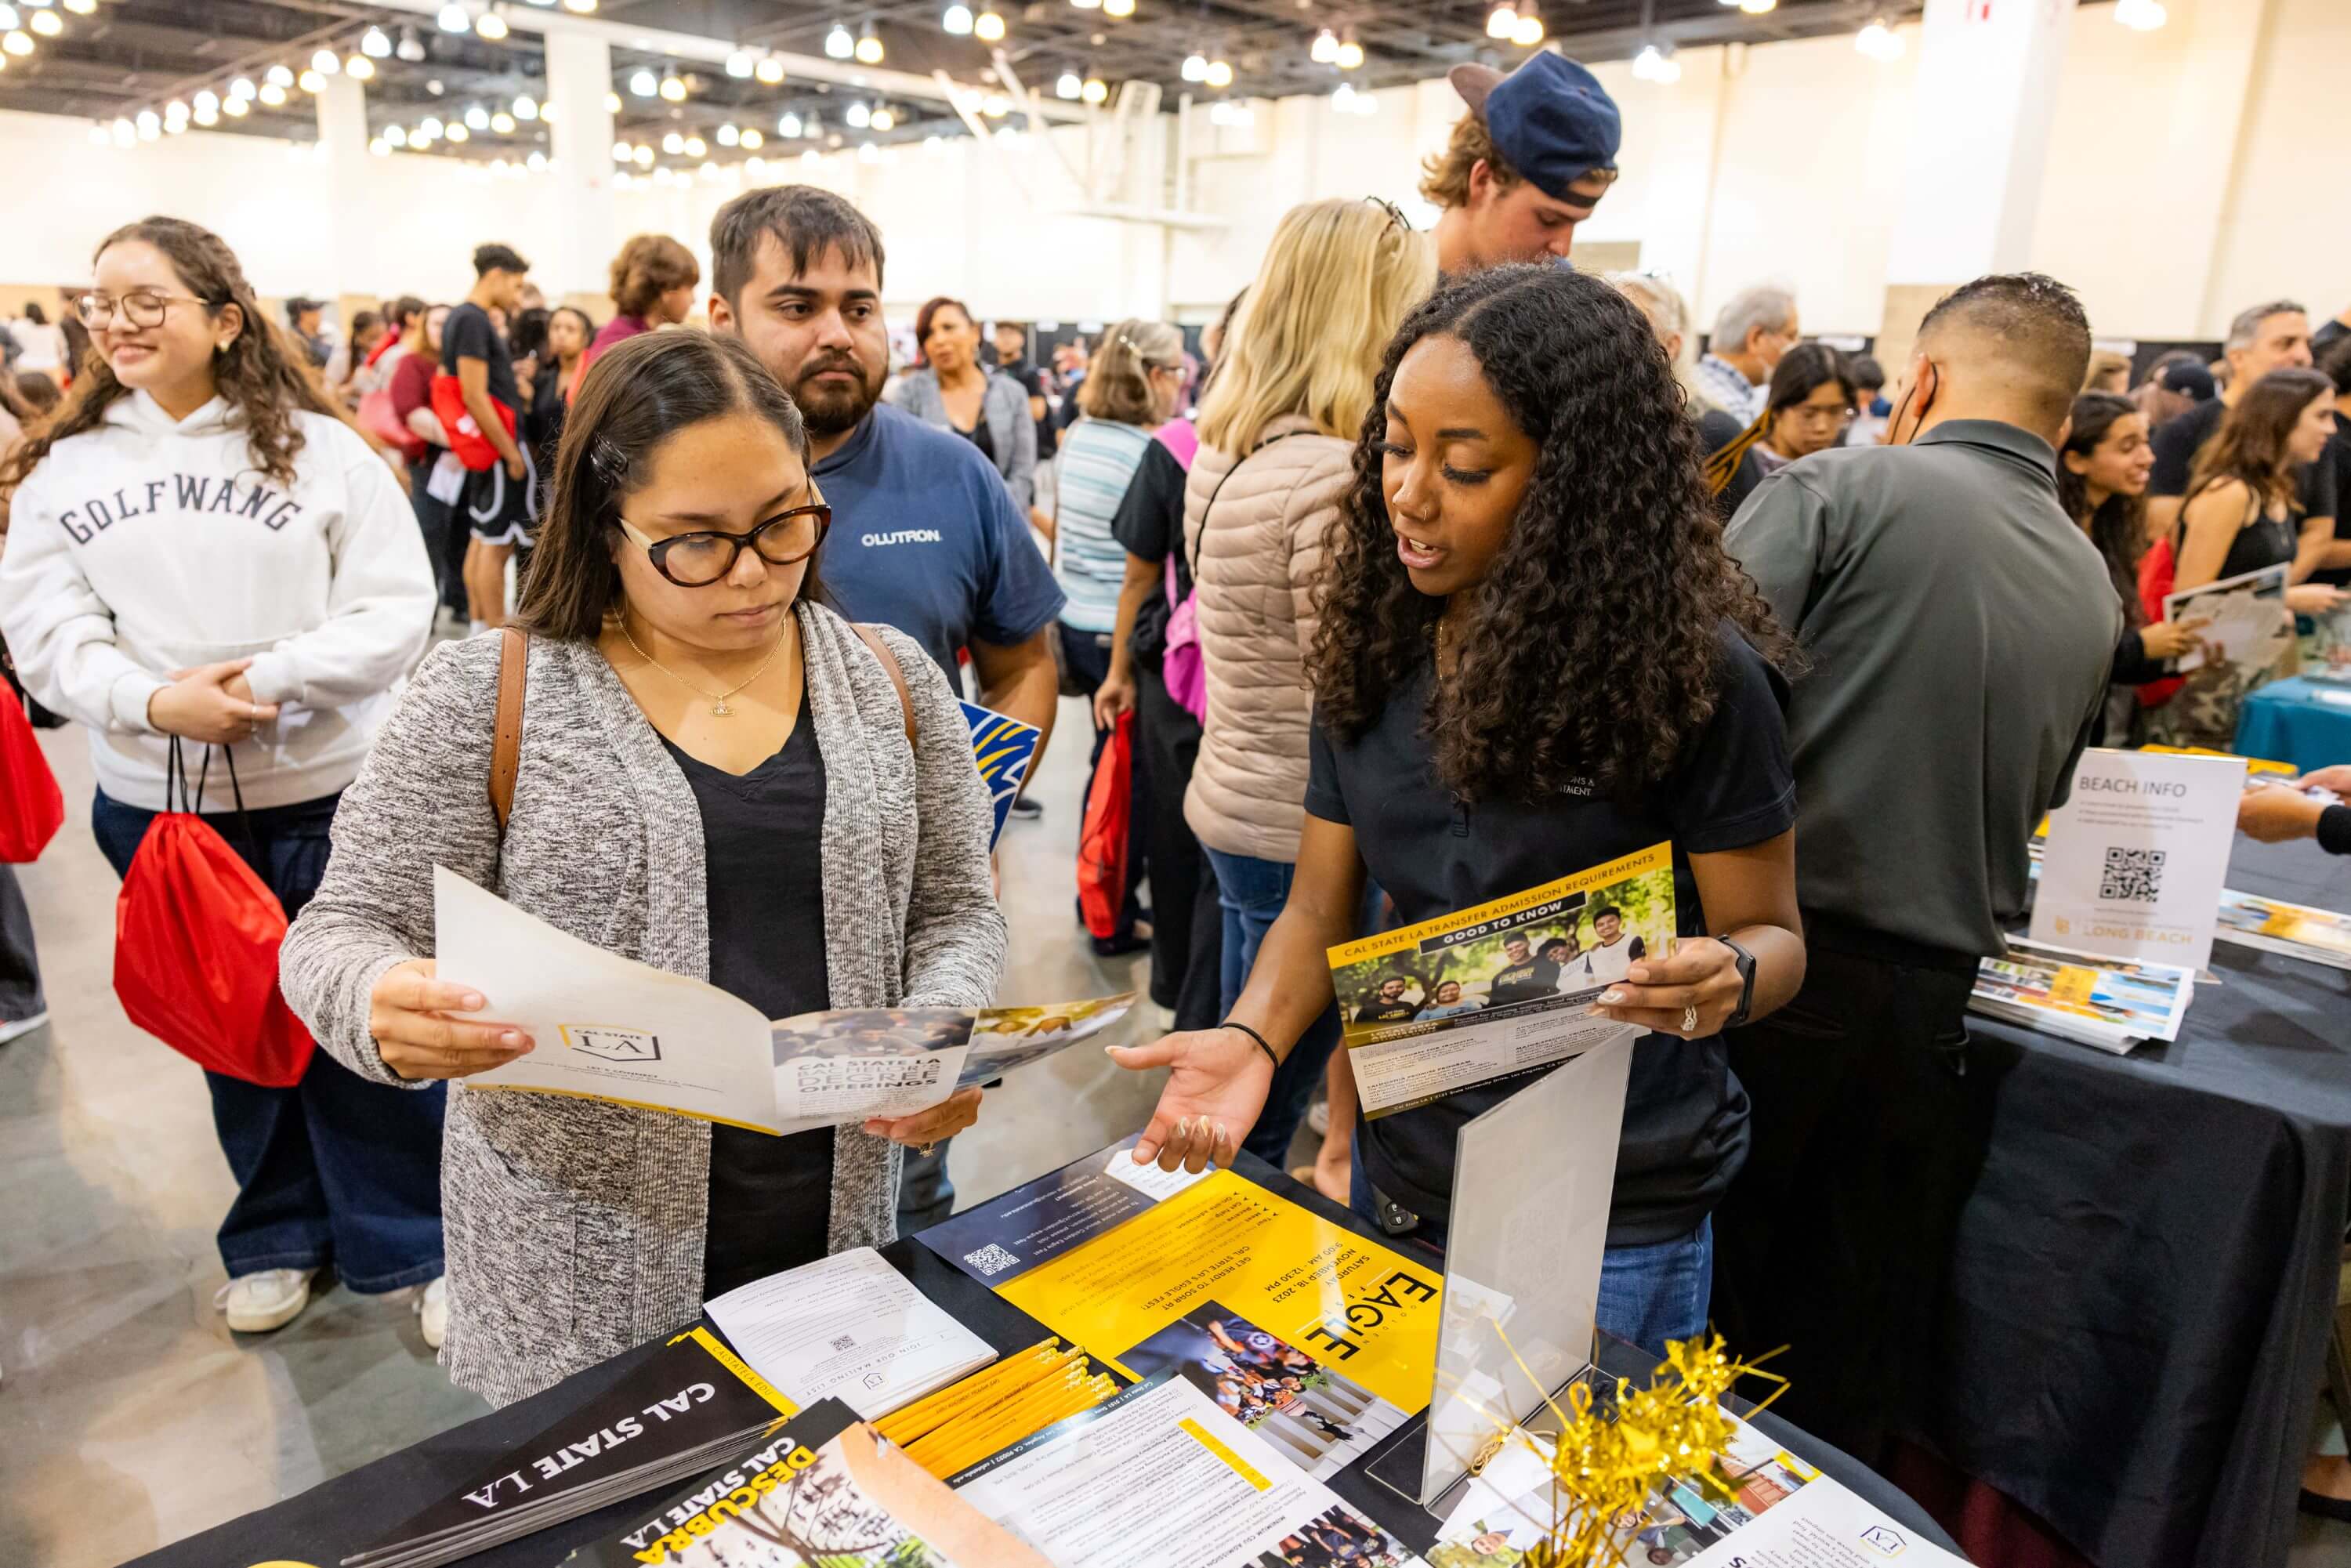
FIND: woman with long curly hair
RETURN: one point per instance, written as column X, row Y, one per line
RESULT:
column 1534, row 657
column 201, row 552
column 2101, row 474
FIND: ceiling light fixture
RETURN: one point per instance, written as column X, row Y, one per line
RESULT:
column 1529, row 32
column 477, row 116
column 1878, row 41
column 989, row 26
column 1087, row 4
column 643, row 84
column 751, row 138
column 241, row 88
column 526, row 107
column 453, row 18
column 1757, row 7
column 1096, row 90
column 739, row 63
column 884, row 119
column 769, row 69
column 310, row 81
column 1220, row 74
column 1325, row 49
column 837, row 44
column 459, row 133
column 279, row 76
column 869, row 48
column 644, row 155
column 956, row 19
column 858, row 115
column 207, row 101
column 730, row 134
column 673, row 87
column 1350, row 55
column 503, row 123
column 359, row 68
column 1118, row 8
column 47, row 24
column 1196, row 67
column 580, row 7
column 379, row 146
column 430, row 127
column 672, row 143
column 1653, row 64
column 412, row 48
column 81, row 8
column 1068, row 86
column 696, row 147
column 492, row 27
column 272, row 95
column 237, row 107
column 535, row 161
column 1503, row 21
column 376, row 44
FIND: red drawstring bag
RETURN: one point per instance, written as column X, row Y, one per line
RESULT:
column 2157, row 570
column 31, row 808
column 195, row 948
column 1101, row 844
column 466, row 438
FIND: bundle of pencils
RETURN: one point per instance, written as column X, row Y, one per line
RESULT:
column 989, row 1411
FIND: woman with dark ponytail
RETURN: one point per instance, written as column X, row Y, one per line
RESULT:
column 201, row 552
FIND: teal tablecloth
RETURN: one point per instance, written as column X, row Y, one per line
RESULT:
column 2306, row 723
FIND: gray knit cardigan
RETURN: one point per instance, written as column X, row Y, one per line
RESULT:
column 575, row 1227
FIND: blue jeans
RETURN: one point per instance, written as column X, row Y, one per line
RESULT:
column 335, row 1169
column 1649, row 1294
column 1252, row 892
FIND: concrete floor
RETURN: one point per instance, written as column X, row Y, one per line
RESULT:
column 130, row 1417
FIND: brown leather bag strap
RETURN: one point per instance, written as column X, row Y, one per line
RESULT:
column 505, row 746
column 897, row 676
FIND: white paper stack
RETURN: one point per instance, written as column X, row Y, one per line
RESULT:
column 849, row 1327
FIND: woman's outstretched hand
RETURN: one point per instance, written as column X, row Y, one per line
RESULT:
column 1211, row 1100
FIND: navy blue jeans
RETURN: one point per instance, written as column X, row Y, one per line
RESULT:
column 1252, row 892
column 334, row 1169
column 1647, row 1294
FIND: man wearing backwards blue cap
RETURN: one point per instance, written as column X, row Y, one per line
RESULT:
column 1529, row 161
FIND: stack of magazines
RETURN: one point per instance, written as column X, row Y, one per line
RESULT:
column 691, row 1407
column 2296, row 930
column 2110, row 1003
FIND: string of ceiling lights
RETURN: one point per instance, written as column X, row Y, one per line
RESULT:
column 20, row 35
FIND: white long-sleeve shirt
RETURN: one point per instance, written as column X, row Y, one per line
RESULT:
column 149, row 546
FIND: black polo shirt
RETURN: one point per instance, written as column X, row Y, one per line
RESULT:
column 1685, row 1132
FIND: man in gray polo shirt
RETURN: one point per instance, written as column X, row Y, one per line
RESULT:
column 1961, row 628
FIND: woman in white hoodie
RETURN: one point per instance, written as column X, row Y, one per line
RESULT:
column 198, row 546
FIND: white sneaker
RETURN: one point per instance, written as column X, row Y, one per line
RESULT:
column 11, row 1029
column 1318, row 1118
column 257, row 1304
column 433, row 1311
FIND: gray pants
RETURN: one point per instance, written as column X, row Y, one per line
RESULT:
column 20, row 966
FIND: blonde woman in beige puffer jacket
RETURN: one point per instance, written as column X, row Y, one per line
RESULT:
column 1278, row 429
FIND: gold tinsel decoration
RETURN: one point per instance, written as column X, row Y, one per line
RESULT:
column 1604, row 1467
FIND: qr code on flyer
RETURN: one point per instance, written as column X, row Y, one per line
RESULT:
column 990, row 1259
column 2132, row 876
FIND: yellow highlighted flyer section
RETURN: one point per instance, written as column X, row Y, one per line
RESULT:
column 1240, row 1467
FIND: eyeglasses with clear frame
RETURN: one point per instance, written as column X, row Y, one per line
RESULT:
column 699, row 560
column 140, row 307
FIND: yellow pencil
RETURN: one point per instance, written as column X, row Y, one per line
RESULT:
column 976, row 1392
column 957, row 1436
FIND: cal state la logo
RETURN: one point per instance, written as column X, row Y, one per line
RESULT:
column 608, row 1044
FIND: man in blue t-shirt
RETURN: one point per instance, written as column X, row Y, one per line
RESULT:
column 924, row 537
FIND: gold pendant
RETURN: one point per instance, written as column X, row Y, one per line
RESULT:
column 719, row 708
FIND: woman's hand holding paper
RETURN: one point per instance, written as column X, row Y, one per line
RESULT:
column 1688, row 993
column 409, row 1019
column 924, row 1128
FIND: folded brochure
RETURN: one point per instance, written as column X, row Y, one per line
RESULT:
column 612, row 1029
column 1502, row 991
column 2111, row 1003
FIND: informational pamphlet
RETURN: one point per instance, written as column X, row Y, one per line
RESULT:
column 2296, row 930
column 2135, row 858
column 689, row 1404
column 1761, row 1508
column 2330, row 646
column 2245, row 621
column 2111, row 1003
column 1004, row 747
column 849, row 1327
column 1502, row 991
column 821, row 1493
column 612, row 1029
column 1317, row 1339
column 1161, row 1475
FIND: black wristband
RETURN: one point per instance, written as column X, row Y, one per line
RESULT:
column 2334, row 833
column 1253, row 1034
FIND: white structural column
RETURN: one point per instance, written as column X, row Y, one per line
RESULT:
column 1985, row 90
column 579, row 248
column 343, row 136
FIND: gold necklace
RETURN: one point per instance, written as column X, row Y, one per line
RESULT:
column 718, row 708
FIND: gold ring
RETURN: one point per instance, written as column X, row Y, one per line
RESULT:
column 1689, row 1018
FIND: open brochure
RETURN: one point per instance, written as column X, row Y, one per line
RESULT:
column 1765, row 1508
column 849, row 1327
column 612, row 1029
column 1162, row 1476
column 1004, row 747
column 821, row 1493
column 1318, row 1340
column 685, row 1408
column 2330, row 646
column 2296, row 930
column 2246, row 620
column 1501, row 990
column 2111, row 1003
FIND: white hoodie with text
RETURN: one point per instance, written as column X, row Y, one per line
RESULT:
column 147, row 546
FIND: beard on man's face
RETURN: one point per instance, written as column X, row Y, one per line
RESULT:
column 832, row 407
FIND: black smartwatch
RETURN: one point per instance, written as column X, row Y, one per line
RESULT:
column 1746, row 962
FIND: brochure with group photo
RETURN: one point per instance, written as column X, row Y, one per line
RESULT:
column 609, row 1028
column 1501, row 990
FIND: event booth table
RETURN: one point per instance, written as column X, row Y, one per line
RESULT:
column 2304, row 722
column 338, row 1517
column 2144, row 1276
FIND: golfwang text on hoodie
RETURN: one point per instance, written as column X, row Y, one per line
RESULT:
column 146, row 546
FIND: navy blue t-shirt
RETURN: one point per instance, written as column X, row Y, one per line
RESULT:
column 925, row 538
column 1685, row 1134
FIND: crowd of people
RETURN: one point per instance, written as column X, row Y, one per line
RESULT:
column 1486, row 578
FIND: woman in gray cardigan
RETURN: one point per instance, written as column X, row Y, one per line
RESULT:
column 716, row 778
column 955, row 392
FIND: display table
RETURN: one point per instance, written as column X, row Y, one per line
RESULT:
column 2144, row 1276
column 340, row 1516
column 2304, row 722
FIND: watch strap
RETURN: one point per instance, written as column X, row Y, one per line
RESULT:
column 1746, row 983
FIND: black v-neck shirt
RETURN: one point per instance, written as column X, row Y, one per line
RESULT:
column 770, row 1197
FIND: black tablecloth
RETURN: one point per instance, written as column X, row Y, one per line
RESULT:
column 2144, row 1276
column 336, row 1518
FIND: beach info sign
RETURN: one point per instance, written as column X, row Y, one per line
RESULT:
column 2137, row 856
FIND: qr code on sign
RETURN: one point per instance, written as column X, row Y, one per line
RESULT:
column 990, row 1259
column 2132, row 876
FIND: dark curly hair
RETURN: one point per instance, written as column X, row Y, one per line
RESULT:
column 259, row 373
column 1594, row 658
column 2118, row 526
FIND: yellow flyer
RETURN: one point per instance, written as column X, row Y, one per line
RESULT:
column 1318, row 1340
column 1501, row 990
